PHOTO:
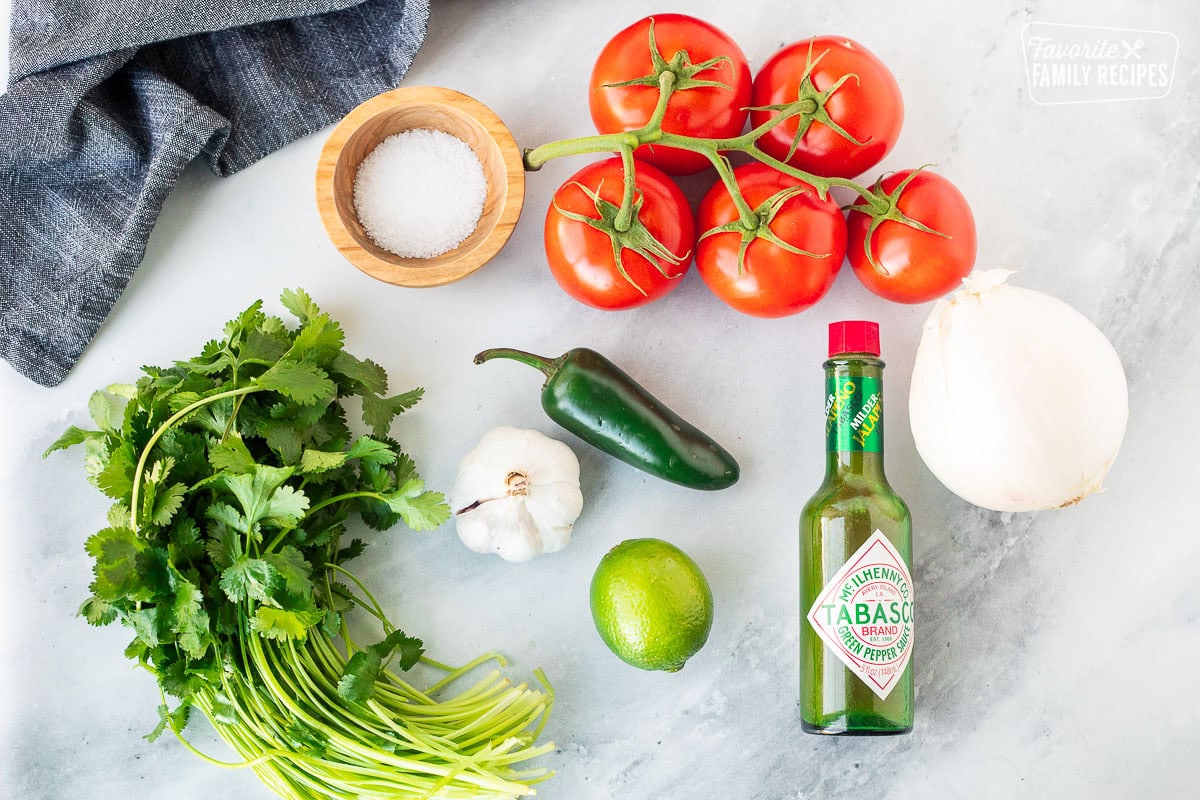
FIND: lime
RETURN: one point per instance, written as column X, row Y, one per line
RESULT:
column 651, row 604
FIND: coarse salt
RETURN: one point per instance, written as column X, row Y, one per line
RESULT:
column 420, row 193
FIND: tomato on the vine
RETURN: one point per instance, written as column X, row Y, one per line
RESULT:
column 612, row 269
column 711, row 94
column 855, row 106
column 913, row 265
column 760, row 272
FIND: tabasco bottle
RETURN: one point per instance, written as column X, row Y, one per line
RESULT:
column 856, row 592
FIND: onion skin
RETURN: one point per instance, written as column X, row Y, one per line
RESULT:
column 1018, row 402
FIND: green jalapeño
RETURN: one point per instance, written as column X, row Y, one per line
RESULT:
column 856, row 592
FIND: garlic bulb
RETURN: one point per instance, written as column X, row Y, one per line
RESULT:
column 517, row 494
column 1018, row 402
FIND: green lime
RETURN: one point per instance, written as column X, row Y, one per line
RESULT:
column 651, row 604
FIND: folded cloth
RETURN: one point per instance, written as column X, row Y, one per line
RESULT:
column 109, row 100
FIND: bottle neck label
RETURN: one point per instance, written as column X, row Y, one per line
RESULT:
column 853, row 414
column 864, row 615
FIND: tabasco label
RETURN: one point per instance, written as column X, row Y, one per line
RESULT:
column 865, row 614
column 853, row 414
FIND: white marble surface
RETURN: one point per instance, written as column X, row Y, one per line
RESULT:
column 1056, row 652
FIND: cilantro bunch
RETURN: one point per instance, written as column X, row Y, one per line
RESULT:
column 234, row 475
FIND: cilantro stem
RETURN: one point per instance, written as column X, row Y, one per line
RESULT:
column 339, row 498
column 287, row 530
column 372, row 603
column 158, row 434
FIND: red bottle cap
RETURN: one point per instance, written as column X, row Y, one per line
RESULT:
column 853, row 336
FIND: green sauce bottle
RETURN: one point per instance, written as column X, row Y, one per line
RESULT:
column 856, row 592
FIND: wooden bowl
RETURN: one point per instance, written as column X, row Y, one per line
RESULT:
column 401, row 110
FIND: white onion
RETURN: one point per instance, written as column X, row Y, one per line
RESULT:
column 1018, row 402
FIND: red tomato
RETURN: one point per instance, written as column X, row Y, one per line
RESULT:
column 581, row 257
column 870, row 108
column 712, row 112
column 772, row 282
column 914, row 266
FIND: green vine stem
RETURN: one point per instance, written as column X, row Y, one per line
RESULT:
column 879, row 205
column 652, row 133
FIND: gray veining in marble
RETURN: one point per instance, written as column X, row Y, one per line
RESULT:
column 1056, row 652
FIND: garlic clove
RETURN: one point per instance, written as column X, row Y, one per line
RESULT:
column 555, row 507
column 504, row 527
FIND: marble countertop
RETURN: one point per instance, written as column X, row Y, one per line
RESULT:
column 1055, row 651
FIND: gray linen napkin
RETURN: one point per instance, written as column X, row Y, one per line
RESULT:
column 109, row 100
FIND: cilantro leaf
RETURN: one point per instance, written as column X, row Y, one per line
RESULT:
column 231, row 455
column 295, row 571
column 185, row 544
column 320, row 460
column 174, row 720
column 167, row 503
column 263, row 497
column 71, row 437
column 287, row 506
column 214, row 417
column 372, row 451
column 228, row 516
column 278, row 623
column 378, row 412
column 299, row 303
column 262, row 347
column 219, row 551
column 190, row 619
column 319, row 340
column 154, row 572
column 366, row 373
column 421, row 510
column 97, row 611
column 250, row 579
column 186, row 450
column 362, row 669
column 298, row 380
column 160, row 503
column 107, row 407
column 147, row 624
column 115, row 477
column 248, row 320
column 307, row 739
column 351, row 551
column 118, row 515
column 284, row 439
column 331, row 624
column 116, row 569
column 213, row 358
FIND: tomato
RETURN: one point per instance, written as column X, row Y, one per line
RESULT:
column 915, row 266
column 869, row 109
column 712, row 112
column 772, row 281
column 581, row 256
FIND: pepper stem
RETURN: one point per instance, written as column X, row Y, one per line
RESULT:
column 548, row 366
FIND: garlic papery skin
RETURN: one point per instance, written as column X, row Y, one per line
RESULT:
column 517, row 494
column 1018, row 402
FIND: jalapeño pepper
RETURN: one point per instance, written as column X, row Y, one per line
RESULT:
column 597, row 401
